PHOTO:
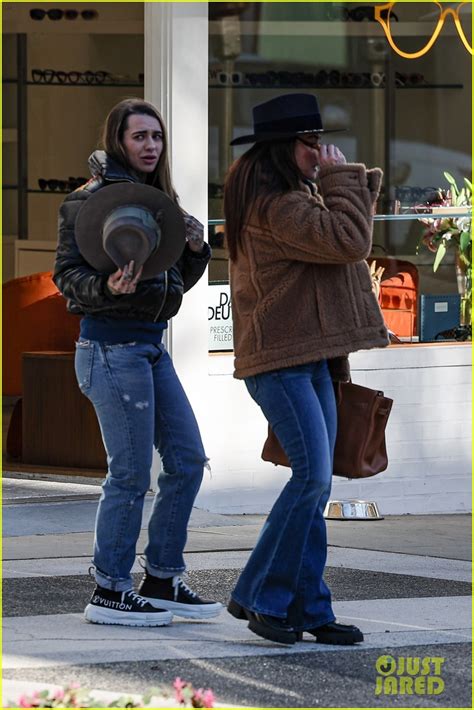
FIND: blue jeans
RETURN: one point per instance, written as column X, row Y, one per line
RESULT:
column 284, row 574
column 140, row 403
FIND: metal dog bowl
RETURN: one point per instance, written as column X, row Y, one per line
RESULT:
column 352, row 510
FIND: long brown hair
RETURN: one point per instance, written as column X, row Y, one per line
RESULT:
column 267, row 169
column 115, row 126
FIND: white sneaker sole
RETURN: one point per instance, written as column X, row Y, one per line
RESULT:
column 97, row 615
column 187, row 611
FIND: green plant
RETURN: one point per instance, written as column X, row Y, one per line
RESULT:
column 445, row 233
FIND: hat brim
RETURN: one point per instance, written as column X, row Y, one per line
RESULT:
column 260, row 137
column 91, row 217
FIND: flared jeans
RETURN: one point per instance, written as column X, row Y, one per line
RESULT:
column 284, row 574
column 140, row 404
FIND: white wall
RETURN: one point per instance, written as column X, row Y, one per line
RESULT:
column 428, row 436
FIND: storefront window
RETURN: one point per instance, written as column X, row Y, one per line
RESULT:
column 404, row 99
column 63, row 70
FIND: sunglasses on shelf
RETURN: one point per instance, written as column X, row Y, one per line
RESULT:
column 424, row 195
column 52, row 184
column 358, row 14
column 49, row 76
column 460, row 333
column 57, row 14
column 72, row 183
column 230, row 79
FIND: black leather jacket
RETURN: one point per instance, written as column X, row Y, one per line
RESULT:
column 86, row 289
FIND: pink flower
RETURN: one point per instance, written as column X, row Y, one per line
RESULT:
column 178, row 686
column 178, row 683
column 209, row 698
column 197, row 701
column 186, row 695
column 24, row 702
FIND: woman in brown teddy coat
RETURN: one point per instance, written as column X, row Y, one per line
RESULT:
column 302, row 301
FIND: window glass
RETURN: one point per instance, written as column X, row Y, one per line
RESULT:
column 409, row 116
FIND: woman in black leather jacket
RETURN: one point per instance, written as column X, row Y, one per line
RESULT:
column 124, row 369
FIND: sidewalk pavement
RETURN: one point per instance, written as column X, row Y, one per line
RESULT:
column 446, row 536
column 419, row 564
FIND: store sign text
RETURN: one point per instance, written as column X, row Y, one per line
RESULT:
column 220, row 318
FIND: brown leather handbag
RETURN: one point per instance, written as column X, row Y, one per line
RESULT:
column 362, row 415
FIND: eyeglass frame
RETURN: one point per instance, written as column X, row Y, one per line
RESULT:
column 230, row 78
column 357, row 14
column 444, row 12
column 313, row 146
column 48, row 76
column 56, row 14
column 53, row 184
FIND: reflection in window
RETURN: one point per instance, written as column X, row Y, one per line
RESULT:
column 410, row 117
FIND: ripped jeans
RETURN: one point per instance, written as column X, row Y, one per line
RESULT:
column 140, row 404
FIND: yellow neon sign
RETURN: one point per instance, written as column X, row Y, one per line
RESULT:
column 381, row 10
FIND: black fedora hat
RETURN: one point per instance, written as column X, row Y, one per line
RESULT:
column 128, row 221
column 285, row 116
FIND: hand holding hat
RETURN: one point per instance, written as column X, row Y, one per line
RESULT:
column 128, row 222
column 124, row 281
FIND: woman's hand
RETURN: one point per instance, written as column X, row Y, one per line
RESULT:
column 123, row 281
column 330, row 155
column 194, row 233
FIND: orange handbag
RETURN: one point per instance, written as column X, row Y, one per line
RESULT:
column 399, row 295
column 360, row 451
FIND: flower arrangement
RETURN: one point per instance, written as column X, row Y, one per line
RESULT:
column 187, row 696
column 448, row 232
column 73, row 696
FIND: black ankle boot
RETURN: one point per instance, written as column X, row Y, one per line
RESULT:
column 334, row 633
column 268, row 627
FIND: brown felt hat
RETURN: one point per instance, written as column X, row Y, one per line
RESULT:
column 130, row 221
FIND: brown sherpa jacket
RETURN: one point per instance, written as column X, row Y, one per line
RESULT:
column 301, row 289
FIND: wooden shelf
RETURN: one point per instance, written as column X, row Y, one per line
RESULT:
column 50, row 192
column 335, row 88
column 336, row 28
column 105, row 85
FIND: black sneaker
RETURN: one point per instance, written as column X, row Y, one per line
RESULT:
column 173, row 594
column 124, row 608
